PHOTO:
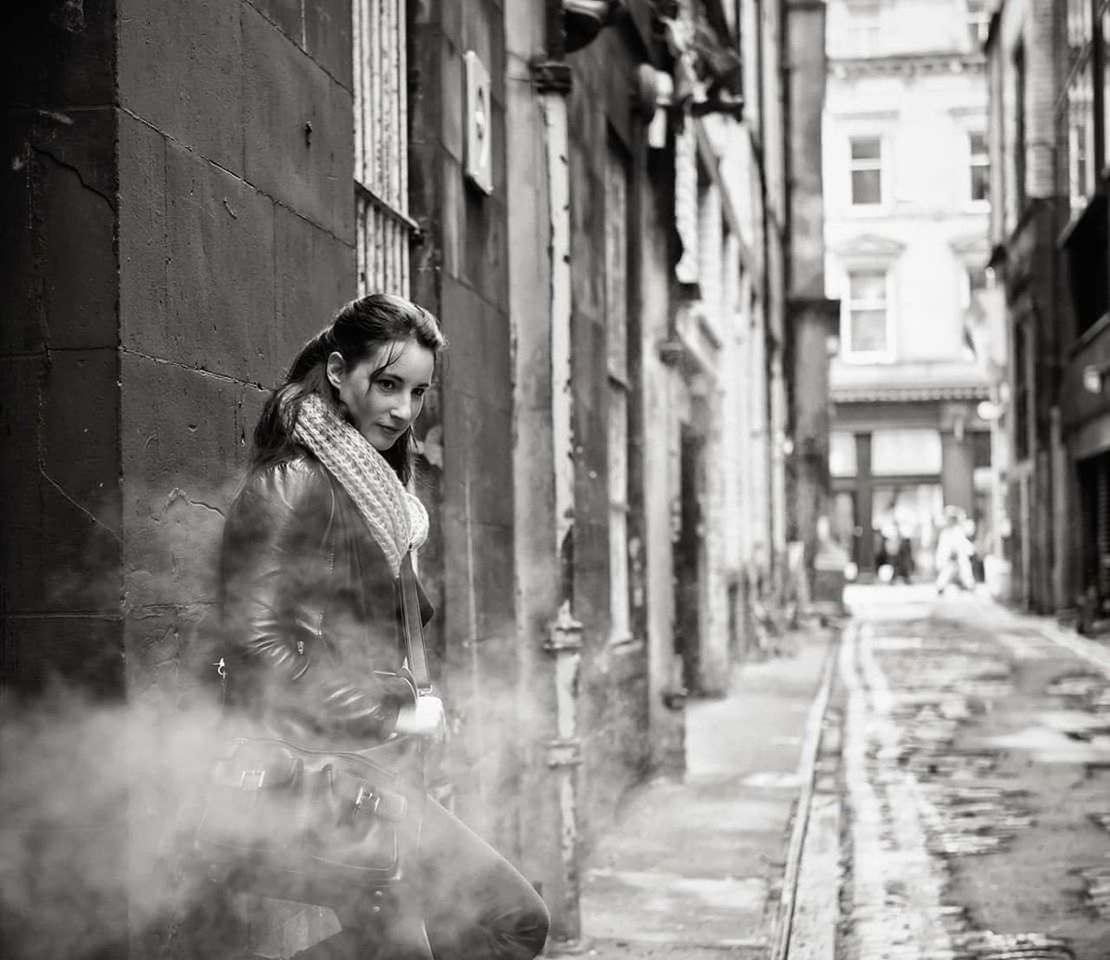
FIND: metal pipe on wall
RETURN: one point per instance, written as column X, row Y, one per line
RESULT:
column 564, row 640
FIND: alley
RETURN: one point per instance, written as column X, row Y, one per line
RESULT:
column 976, row 769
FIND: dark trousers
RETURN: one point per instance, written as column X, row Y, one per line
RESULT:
column 468, row 903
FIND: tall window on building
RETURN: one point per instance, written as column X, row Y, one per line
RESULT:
column 978, row 23
column 1021, row 390
column 863, row 28
column 866, row 335
column 866, row 155
column 1019, row 129
column 384, row 230
column 616, row 335
column 979, row 162
column 1079, row 121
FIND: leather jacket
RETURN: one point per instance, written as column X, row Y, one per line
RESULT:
column 310, row 611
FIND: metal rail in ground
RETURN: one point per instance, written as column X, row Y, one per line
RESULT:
column 784, row 945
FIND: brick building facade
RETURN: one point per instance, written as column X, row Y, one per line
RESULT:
column 195, row 188
column 1049, row 229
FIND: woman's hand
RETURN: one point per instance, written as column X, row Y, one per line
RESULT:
column 426, row 719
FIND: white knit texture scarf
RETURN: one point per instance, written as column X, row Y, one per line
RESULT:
column 397, row 519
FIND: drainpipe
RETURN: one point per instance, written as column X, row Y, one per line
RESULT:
column 563, row 644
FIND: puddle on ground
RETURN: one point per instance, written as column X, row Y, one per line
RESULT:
column 927, row 802
column 1011, row 946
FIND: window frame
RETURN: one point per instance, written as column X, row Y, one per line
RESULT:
column 978, row 20
column 978, row 161
column 867, row 165
column 848, row 353
column 384, row 231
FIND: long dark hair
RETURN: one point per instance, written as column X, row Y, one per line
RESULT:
column 359, row 328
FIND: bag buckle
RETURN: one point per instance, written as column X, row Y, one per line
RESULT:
column 258, row 776
column 365, row 791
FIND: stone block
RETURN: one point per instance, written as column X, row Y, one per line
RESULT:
column 143, row 239
column 58, row 489
column 22, row 331
column 299, row 132
column 477, row 362
column 79, row 466
column 476, row 30
column 452, row 82
column 181, row 70
column 288, row 15
column 82, row 651
column 49, row 64
column 485, row 248
column 220, row 278
column 314, row 276
column 328, row 37
column 451, row 214
column 184, row 448
column 20, row 483
column 78, row 262
column 477, row 461
column 58, row 272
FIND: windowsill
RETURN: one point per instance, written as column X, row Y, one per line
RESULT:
column 868, row 210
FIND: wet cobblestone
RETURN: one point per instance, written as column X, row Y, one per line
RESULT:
column 919, row 804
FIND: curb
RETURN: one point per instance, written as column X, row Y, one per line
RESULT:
column 787, row 910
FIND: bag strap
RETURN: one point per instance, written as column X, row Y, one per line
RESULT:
column 412, row 625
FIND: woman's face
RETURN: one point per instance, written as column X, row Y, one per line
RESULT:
column 383, row 403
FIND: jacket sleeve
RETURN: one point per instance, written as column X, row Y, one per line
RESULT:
column 277, row 573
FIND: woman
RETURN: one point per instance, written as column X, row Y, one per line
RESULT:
column 313, row 547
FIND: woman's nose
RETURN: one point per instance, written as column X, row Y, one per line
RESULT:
column 403, row 408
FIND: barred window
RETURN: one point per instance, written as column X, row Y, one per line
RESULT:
column 616, row 329
column 383, row 228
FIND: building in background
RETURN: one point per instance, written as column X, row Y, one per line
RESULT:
column 195, row 188
column 907, row 200
column 1049, row 230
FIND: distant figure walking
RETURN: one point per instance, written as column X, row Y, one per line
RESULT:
column 903, row 560
column 954, row 551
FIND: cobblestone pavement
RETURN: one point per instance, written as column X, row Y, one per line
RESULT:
column 976, row 769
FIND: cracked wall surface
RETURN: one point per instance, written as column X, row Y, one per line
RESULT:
column 176, row 237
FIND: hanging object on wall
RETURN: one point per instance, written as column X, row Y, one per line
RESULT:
column 479, row 127
column 585, row 19
column 654, row 95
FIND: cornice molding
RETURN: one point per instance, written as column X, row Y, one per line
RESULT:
column 908, row 65
column 868, row 246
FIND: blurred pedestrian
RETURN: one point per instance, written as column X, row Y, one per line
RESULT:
column 903, row 560
column 953, row 555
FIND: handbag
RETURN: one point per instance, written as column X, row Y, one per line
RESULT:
column 315, row 825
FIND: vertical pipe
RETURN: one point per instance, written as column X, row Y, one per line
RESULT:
column 564, row 641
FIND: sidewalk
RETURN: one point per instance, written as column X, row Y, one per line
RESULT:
column 699, row 869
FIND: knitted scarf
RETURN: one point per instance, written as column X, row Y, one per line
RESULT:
column 397, row 520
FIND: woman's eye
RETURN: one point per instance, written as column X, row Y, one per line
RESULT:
column 386, row 385
column 418, row 393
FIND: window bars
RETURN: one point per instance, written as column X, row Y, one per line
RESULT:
column 383, row 229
